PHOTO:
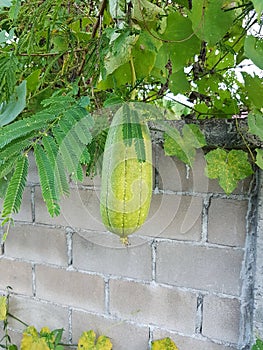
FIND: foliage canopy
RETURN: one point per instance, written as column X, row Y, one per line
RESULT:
column 66, row 65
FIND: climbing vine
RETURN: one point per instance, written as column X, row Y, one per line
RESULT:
column 65, row 66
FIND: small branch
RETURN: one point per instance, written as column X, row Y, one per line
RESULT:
column 97, row 23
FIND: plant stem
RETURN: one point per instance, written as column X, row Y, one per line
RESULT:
column 17, row 319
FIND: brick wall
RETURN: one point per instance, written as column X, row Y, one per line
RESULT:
column 187, row 274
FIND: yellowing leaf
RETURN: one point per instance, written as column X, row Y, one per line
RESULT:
column 164, row 344
column 87, row 341
column 228, row 167
column 3, row 308
column 32, row 341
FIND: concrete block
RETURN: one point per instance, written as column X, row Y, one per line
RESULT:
column 201, row 267
column 32, row 177
column 40, row 244
column 39, row 314
column 227, row 222
column 70, row 288
column 16, row 274
column 123, row 335
column 221, row 318
column 174, row 216
column 79, row 210
column 104, row 253
column 153, row 304
column 186, row 343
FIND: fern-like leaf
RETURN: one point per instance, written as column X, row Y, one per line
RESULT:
column 8, row 68
column 61, row 180
column 15, row 189
column 24, row 127
column 14, row 148
column 47, row 180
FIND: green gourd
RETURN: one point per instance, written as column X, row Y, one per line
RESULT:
column 126, row 187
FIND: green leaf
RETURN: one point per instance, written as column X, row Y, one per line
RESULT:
column 254, row 50
column 181, row 43
column 258, row 345
column 17, row 102
column 47, row 180
column 258, row 6
column 8, row 69
column 164, row 344
column 210, row 22
column 254, row 87
column 183, row 146
column 3, row 308
column 259, row 158
column 5, row 3
column 178, row 83
column 255, row 124
column 228, row 167
column 15, row 189
column 33, row 80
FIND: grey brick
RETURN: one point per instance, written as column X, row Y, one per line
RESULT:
column 104, row 253
column 187, row 343
column 40, row 244
column 221, row 318
column 32, row 177
column 123, row 335
column 70, row 288
column 227, row 222
column 39, row 314
column 212, row 269
column 174, row 216
column 153, row 304
column 16, row 274
column 79, row 210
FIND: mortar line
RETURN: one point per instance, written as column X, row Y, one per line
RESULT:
column 154, row 255
column 69, row 238
column 107, row 295
column 70, row 331
column 34, row 280
column 206, row 205
column 199, row 314
column 33, row 204
column 150, row 337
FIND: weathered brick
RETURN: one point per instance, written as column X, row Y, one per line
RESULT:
column 70, row 288
column 32, row 177
column 123, row 335
column 79, row 210
column 174, row 216
column 187, row 343
column 39, row 314
column 227, row 222
column 201, row 267
column 106, row 254
column 169, row 307
column 221, row 318
column 16, row 274
column 176, row 176
column 40, row 244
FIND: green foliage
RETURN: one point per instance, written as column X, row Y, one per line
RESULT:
column 3, row 308
column 62, row 61
column 258, row 345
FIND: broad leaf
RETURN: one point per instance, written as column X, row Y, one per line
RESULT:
column 258, row 6
column 259, row 159
column 183, row 146
column 255, row 124
column 210, row 22
column 254, row 87
column 15, row 105
column 254, row 50
column 87, row 341
column 228, row 167
column 164, row 344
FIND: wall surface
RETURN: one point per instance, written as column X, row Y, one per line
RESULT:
column 187, row 274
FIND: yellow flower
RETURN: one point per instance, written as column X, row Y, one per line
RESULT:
column 164, row 344
column 87, row 341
